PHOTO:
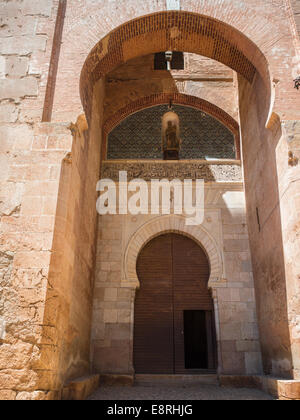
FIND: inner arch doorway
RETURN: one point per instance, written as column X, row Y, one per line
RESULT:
column 174, row 330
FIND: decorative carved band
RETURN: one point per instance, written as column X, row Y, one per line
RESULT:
column 210, row 172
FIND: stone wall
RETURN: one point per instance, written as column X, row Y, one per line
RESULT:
column 266, row 224
column 113, row 307
column 45, row 272
column 71, row 272
column 26, row 32
column 30, row 161
column 47, row 258
column 29, row 193
column 239, row 336
column 289, row 190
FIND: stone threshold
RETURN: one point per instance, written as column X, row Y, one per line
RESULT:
column 178, row 379
column 282, row 389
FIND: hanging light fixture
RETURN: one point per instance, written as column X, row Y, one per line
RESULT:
column 169, row 58
column 171, row 135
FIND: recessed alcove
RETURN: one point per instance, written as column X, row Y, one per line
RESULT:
column 139, row 135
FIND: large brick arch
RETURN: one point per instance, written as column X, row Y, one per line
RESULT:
column 176, row 98
column 182, row 31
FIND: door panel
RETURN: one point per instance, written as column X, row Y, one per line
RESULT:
column 173, row 272
column 153, row 333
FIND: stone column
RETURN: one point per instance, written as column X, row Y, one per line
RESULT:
column 217, row 326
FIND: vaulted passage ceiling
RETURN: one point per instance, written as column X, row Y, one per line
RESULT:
column 175, row 31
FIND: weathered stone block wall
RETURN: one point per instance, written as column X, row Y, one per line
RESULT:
column 26, row 32
column 46, row 272
column 47, row 250
column 113, row 307
column 269, row 152
column 30, row 160
column 239, row 336
column 289, row 191
column 29, row 191
column 71, row 278
column 71, row 275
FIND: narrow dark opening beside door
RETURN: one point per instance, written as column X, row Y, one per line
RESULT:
column 195, row 340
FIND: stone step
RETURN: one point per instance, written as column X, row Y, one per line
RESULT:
column 81, row 388
column 180, row 380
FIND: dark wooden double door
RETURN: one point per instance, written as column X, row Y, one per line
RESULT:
column 174, row 323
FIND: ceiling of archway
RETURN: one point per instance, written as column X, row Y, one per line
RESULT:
column 201, row 77
column 163, row 31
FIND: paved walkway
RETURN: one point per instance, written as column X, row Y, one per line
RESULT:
column 171, row 392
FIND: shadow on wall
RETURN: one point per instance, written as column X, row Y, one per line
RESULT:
column 265, row 227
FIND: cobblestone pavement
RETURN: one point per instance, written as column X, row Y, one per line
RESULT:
column 171, row 392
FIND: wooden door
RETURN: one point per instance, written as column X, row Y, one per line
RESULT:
column 153, row 327
column 173, row 272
